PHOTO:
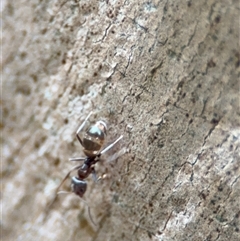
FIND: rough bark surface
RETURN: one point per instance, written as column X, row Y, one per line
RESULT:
column 165, row 75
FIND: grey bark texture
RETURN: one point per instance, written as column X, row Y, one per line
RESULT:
column 164, row 74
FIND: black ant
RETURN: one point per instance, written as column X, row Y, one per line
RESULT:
column 92, row 143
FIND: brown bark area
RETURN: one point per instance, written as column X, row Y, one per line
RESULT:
column 165, row 75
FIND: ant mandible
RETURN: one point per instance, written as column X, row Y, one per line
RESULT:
column 92, row 143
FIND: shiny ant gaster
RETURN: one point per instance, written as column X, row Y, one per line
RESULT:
column 92, row 143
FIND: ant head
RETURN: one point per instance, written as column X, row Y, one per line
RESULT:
column 79, row 187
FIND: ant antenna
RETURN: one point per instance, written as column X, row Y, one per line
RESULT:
column 89, row 212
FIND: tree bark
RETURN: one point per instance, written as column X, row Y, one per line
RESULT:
column 162, row 74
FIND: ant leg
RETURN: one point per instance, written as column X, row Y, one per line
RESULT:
column 68, row 174
column 81, row 126
column 95, row 178
column 84, row 122
column 110, row 146
column 117, row 155
column 57, row 190
column 77, row 159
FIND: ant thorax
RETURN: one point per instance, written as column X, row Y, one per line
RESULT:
column 94, row 138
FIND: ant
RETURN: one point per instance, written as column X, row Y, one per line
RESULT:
column 92, row 143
